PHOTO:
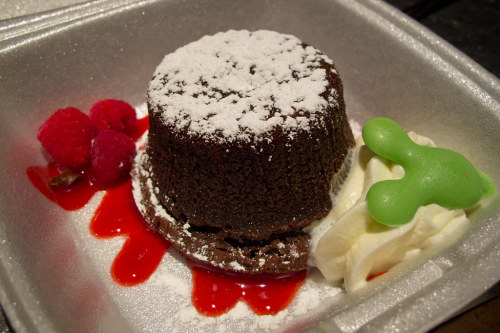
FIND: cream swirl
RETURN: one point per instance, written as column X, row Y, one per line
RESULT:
column 349, row 244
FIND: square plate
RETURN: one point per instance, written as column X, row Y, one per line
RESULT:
column 54, row 276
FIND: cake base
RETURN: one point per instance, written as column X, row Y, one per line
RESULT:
column 281, row 253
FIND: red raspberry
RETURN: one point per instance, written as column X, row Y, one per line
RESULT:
column 113, row 114
column 67, row 136
column 112, row 153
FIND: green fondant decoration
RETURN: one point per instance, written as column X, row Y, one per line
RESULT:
column 432, row 175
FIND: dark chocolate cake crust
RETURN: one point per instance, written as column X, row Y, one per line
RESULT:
column 284, row 253
column 263, row 178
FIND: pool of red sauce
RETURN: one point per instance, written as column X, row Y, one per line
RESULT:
column 376, row 275
column 117, row 215
column 71, row 197
column 214, row 292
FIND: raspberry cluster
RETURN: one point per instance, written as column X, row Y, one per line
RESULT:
column 98, row 142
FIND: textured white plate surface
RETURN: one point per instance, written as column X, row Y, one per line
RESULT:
column 54, row 276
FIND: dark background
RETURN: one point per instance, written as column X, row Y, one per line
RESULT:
column 472, row 26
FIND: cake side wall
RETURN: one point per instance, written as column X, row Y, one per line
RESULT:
column 250, row 191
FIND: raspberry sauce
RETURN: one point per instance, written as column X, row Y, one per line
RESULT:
column 141, row 126
column 117, row 215
column 373, row 276
column 216, row 292
column 71, row 197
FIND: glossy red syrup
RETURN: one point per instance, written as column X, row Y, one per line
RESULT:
column 215, row 292
column 141, row 127
column 117, row 215
column 68, row 197
column 373, row 276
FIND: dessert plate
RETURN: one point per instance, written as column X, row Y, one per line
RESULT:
column 54, row 275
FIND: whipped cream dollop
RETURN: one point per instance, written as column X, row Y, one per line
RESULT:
column 349, row 244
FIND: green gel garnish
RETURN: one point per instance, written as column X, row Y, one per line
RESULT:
column 432, row 175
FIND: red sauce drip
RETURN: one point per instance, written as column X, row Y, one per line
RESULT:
column 71, row 197
column 141, row 127
column 117, row 215
column 216, row 292
column 373, row 276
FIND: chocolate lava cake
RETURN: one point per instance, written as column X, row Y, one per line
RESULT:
column 248, row 138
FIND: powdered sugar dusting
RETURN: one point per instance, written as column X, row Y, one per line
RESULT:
column 239, row 85
column 236, row 266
